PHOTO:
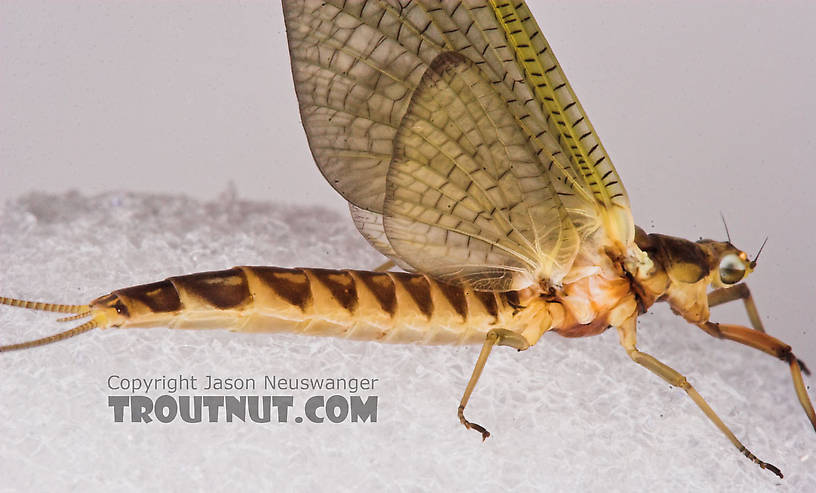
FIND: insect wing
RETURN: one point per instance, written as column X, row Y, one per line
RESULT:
column 566, row 118
column 370, row 225
column 356, row 67
column 466, row 195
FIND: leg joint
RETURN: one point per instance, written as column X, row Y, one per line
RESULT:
column 712, row 328
column 743, row 290
column 504, row 337
column 785, row 353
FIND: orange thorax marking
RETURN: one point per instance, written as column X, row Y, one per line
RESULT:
column 588, row 302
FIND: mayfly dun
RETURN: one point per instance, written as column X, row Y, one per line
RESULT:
column 467, row 160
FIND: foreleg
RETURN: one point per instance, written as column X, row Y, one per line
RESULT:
column 772, row 346
column 737, row 292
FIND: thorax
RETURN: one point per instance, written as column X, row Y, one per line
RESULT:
column 598, row 294
column 591, row 304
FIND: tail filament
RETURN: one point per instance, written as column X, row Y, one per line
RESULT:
column 78, row 311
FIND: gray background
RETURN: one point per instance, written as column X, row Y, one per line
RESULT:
column 703, row 106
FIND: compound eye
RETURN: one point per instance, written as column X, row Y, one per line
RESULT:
column 732, row 269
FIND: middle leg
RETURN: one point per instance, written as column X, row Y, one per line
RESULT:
column 628, row 339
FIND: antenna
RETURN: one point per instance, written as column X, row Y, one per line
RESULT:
column 754, row 262
column 727, row 233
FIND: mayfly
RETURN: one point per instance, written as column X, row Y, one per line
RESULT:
column 466, row 158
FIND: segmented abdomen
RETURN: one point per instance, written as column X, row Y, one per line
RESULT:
column 388, row 306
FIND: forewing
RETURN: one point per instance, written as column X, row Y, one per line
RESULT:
column 354, row 74
column 567, row 119
column 357, row 64
column 467, row 195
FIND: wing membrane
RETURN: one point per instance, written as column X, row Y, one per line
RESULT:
column 370, row 225
column 569, row 122
column 353, row 83
column 357, row 66
column 467, row 196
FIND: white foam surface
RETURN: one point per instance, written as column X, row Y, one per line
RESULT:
column 566, row 415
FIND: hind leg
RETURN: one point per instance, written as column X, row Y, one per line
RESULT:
column 496, row 337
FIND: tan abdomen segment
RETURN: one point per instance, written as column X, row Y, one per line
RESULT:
column 385, row 306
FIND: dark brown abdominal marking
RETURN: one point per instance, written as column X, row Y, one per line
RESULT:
column 488, row 299
column 159, row 296
column 222, row 289
column 456, row 297
column 512, row 299
column 290, row 284
column 340, row 284
column 121, row 309
column 419, row 289
column 382, row 287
